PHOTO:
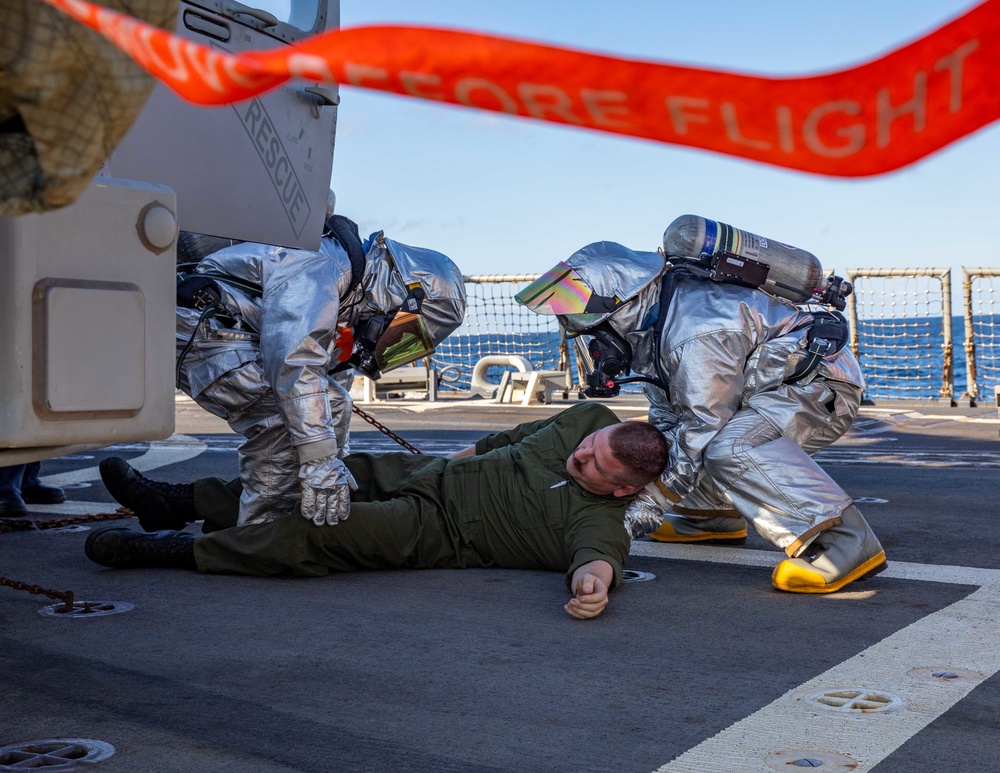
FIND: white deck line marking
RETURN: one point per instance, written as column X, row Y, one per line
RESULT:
column 901, row 570
column 908, row 458
column 961, row 636
column 176, row 448
column 893, row 415
column 74, row 507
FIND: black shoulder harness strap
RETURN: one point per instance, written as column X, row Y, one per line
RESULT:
column 827, row 334
column 345, row 231
column 668, row 283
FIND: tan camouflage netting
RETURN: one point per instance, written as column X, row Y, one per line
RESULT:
column 67, row 96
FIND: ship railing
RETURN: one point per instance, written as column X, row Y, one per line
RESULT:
column 898, row 333
column 980, row 296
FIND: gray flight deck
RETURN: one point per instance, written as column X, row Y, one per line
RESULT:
column 702, row 668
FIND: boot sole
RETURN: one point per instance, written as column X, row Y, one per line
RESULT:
column 151, row 510
column 90, row 550
column 50, row 500
column 707, row 538
column 874, row 565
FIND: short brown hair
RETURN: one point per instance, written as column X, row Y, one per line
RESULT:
column 641, row 447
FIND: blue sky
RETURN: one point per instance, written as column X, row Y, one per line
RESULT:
column 500, row 194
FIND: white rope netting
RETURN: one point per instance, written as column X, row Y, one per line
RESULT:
column 899, row 334
column 982, row 293
column 495, row 324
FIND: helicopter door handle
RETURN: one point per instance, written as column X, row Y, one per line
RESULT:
column 265, row 18
column 324, row 95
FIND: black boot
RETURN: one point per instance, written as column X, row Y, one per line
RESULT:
column 34, row 492
column 40, row 494
column 157, row 505
column 122, row 548
column 11, row 504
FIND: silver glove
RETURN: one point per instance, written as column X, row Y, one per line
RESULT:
column 645, row 513
column 326, row 490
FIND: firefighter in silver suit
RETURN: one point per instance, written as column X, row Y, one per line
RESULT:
column 269, row 338
column 722, row 369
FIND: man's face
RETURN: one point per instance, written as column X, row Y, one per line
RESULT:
column 594, row 467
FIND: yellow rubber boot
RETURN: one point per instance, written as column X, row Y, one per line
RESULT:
column 715, row 530
column 838, row 556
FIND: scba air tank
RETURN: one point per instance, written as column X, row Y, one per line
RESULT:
column 793, row 274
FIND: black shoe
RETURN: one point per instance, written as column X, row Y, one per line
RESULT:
column 157, row 505
column 122, row 548
column 40, row 494
column 11, row 505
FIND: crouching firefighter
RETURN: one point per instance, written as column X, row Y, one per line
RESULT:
column 744, row 382
column 269, row 338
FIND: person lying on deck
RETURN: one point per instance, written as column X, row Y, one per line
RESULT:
column 548, row 494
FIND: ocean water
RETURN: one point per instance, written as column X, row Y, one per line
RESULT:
column 456, row 357
column 904, row 358
column 901, row 358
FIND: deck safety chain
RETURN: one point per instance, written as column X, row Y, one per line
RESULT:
column 385, row 430
column 65, row 596
column 26, row 524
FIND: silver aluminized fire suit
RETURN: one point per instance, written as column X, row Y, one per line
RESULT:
column 271, row 374
column 740, row 434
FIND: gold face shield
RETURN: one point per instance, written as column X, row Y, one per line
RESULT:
column 404, row 341
column 562, row 291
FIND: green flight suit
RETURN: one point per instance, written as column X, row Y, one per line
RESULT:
column 513, row 505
